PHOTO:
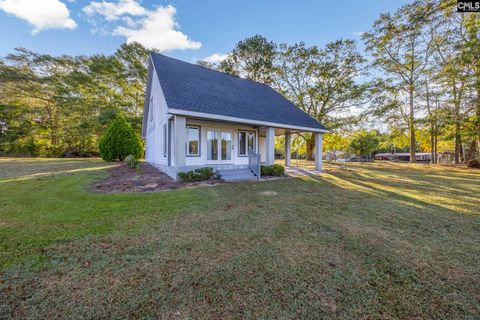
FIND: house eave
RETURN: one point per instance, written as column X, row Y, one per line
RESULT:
column 242, row 120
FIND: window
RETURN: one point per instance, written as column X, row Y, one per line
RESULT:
column 193, row 141
column 165, row 140
column 246, row 141
column 150, row 109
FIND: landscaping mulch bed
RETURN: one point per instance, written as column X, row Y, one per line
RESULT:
column 122, row 178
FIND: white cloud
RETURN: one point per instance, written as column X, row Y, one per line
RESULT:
column 155, row 29
column 113, row 11
column 45, row 14
column 215, row 58
column 359, row 33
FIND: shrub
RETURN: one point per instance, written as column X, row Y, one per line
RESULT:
column 119, row 141
column 474, row 163
column 132, row 162
column 273, row 170
column 197, row 175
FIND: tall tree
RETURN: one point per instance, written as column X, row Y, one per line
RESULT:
column 252, row 59
column 452, row 69
column 323, row 82
column 471, row 56
column 134, row 60
column 399, row 50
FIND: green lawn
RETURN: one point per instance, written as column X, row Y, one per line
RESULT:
column 366, row 241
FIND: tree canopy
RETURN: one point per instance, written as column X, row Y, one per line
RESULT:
column 60, row 106
column 417, row 83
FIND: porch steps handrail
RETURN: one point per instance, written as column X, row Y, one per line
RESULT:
column 254, row 162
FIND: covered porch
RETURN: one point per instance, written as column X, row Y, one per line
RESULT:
column 199, row 142
column 269, row 134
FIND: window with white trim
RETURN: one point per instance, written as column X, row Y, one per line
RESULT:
column 246, row 141
column 193, row 141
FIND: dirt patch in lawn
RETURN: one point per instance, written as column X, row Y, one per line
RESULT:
column 122, row 178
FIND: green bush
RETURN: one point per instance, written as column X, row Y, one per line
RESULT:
column 273, row 170
column 197, row 175
column 132, row 162
column 119, row 141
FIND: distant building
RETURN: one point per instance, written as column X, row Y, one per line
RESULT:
column 330, row 155
column 419, row 156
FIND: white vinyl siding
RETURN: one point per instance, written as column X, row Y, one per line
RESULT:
column 156, row 149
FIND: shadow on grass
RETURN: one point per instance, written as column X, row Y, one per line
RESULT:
column 328, row 246
column 416, row 185
column 57, row 172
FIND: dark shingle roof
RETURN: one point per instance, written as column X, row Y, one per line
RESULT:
column 191, row 87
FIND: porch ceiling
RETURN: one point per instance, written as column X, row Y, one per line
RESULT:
column 278, row 131
column 261, row 129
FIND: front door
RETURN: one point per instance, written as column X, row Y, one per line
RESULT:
column 219, row 146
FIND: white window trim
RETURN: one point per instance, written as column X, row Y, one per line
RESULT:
column 187, row 153
column 246, row 141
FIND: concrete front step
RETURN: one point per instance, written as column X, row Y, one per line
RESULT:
column 236, row 175
column 239, row 178
column 235, row 172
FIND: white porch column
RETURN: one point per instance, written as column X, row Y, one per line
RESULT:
column 179, row 143
column 318, row 151
column 270, row 146
column 288, row 153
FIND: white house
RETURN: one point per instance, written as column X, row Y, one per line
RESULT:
column 196, row 117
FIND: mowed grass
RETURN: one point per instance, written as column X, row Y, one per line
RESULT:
column 359, row 241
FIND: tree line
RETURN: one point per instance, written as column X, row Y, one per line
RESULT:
column 416, row 79
column 418, row 76
column 60, row 106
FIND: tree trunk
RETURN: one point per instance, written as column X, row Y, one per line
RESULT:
column 435, row 123
column 458, row 137
column 462, row 152
column 478, row 113
column 412, row 128
column 432, row 144
column 472, row 150
column 310, row 144
column 52, row 123
column 431, row 119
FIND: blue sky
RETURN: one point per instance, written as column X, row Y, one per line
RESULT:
column 185, row 29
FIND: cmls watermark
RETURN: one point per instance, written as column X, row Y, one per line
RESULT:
column 468, row 6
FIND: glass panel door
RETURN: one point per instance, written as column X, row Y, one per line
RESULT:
column 226, row 146
column 212, row 145
column 219, row 146
column 251, row 142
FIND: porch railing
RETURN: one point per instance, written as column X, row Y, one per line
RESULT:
column 254, row 162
